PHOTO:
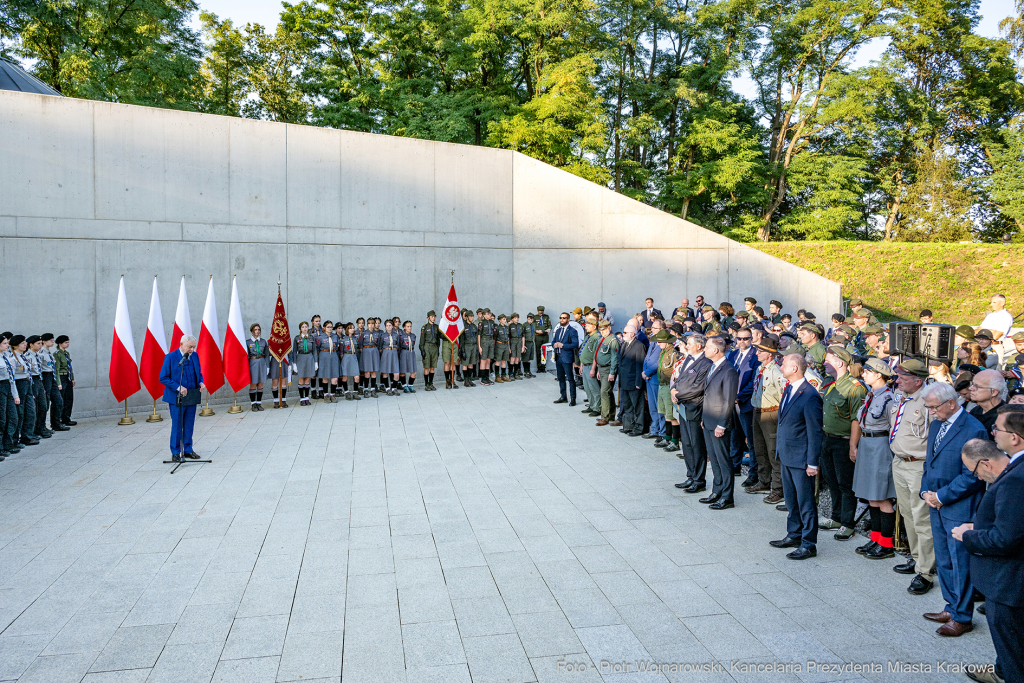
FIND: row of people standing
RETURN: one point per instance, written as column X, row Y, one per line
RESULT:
column 36, row 379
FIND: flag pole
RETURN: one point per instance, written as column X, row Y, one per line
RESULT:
column 234, row 409
column 155, row 417
column 207, row 411
column 126, row 420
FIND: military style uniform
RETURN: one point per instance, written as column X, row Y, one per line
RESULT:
column 530, row 340
column 470, row 352
column 515, row 340
column 66, row 373
column 23, row 388
column 449, row 352
column 872, row 476
column 606, row 358
column 42, row 404
column 50, row 382
column 542, row 327
column 430, row 340
column 8, row 411
column 815, row 356
column 591, row 385
column 487, row 331
column 258, row 351
column 501, row 340
column 842, row 399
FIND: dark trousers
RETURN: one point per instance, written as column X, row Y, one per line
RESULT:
column 802, row 519
column 837, row 469
column 54, row 397
column 721, row 465
column 565, row 377
column 743, row 441
column 695, row 452
column 67, row 397
column 183, row 421
column 8, row 416
column 633, row 405
column 952, row 563
column 42, row 404
column 769, row 469
column 1006, row 625
column 26, row 410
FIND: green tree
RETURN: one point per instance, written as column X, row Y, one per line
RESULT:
column 225, row 67
column 275, row 60
column 938, row 203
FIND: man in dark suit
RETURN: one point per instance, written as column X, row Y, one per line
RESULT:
column 648, row 314
column 688, row 395
column 953, row 494
column 744, row 359
column 563, row 342
column 179, row 373
column 995, row 540
column 798, row 444
column 719, row 414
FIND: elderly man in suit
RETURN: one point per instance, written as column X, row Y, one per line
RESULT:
column 564, row 342
column 798, row 444
column 995, row 540
column 718, row 419
column 953, row 493
column 179, row 373
column 744, row 359
column 688, row 396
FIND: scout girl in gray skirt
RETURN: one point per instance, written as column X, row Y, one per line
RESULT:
column 304, row 352
column 869, row 448
column 327, row 361
column 389, row 349
column 407, row 358
column 348, row 346
column 315, row 330
column 258, row 354
column 369, row 359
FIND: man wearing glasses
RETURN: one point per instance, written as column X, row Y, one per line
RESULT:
column 953, row 493
column 563, row 343
column 744, row 359
column 988, row 392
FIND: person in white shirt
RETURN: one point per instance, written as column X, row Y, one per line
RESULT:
column 999, row 321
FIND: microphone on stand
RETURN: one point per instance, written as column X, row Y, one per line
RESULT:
column 184, row 358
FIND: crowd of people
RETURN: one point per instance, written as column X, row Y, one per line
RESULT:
column 36, row 378
column 890, row 436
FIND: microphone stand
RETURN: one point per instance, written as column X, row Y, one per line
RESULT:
column 181, row 425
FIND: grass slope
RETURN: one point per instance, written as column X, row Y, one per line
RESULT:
column 897, row 280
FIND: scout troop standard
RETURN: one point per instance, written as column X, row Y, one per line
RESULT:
column 359, row 359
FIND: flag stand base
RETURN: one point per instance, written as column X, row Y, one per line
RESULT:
column 234, row 409
column 126, row 420
column 179, row 463
column 155, row 417
column 207, row 411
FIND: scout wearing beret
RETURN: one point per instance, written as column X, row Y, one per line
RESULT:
column 51, row 383
column 775, row 311
column 66, row 373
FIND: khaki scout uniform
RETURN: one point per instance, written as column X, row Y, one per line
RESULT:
column 843, row 398
column 909, row 448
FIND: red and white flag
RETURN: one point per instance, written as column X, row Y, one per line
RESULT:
column 210, row 359
column 124, row 366
column 182, row 318
column 236, row 358
column 153, row 348
column 451, row 316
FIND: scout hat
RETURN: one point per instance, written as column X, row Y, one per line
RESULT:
column 1017, row 336
column 514, row 315
column 742, row 314
column 841, row 353
column 809, row 316
column 662, row 337
column 46, row 336
column 603, row 324
column 578, row 310
column 540, row 308
column 777, row 304
column 707, row 307
column 33, row 339
column 926, row 313
column 502, row 316
column 980, row 334
column 587, row 310
column 62, row 338
column 768, row 344
column 965, row 331
column 591, row 319
column 856, row 302
column 876, row 330
column 529, row 316
column 750, row 299
column 963, row 380
column 17, row 339
column 430, row 313
column 791, row 349
column 677, row 328
column 879, row 366
column 912, row 366
column 811, row 327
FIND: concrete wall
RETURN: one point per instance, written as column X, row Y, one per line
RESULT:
column 354, row 224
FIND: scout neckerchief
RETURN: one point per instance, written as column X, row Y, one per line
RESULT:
column 304, row 340
column 10, row 370
column 256, row 341
column 757, row 380
column 899, row 418
column 71, row 373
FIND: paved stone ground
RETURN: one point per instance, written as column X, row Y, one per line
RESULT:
column 481, row 535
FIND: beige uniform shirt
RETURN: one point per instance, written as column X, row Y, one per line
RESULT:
column 912, row 434
column 768, row 387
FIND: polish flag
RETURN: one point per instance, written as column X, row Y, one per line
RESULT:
column 182, row 318
column 208, row 349
column 153, row 349
column 124, row 367
column 451, row 316
column 236, row 358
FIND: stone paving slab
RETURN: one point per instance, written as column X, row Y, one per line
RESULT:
column 473, row 535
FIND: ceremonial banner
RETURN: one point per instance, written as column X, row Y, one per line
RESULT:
column 236, row 358
column 153, row 348
column 182, row 318
column 209, row 348
column 124, row 366
column 451, row 316
column 280, row 340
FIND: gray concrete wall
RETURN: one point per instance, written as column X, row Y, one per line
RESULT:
column 355, row 224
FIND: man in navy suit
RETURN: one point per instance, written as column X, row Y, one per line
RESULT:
column 179, row 373
column 563, row 342
column 718, row 418
column 995, row 539
column 649, row 313
column 744, row 359
column 798, row 444
column 953, row 494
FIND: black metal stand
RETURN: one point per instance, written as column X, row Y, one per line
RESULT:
column 181, row 430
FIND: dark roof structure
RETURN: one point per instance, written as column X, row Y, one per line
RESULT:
column 13, row 77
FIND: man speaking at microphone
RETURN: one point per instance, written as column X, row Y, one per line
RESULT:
column 181, row 372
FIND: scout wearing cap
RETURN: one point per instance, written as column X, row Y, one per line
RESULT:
column 769, row 344
column 878, row 365
column 965, row 331
column 430, row 341
column 856, row 305
column 542, row 327
column 841, row 353
column 515, row 347
column 842, row 399
column 926, row 316
column 530, row 342
column 980, row 334
column 913, row 366
column 662, row 337
column 469, row 349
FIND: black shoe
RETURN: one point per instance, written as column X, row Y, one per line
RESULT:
column 572, row 402
column 585, row 410
column 802, row 553
column 648, row 435
column 980, row 608
column 623, row 430
column 737, row 471
column 176, row 458
column 781, row 507
column 30, row 442
column 920, row 585
column 71, row 423
column 594, row 413
column 61, row 428
column 713, row 498
column 722, row 505
column 787, row 542
column 862, row 550
column 46, row 434
column 561, row 400
column 880, row 552
column 634, row 433
column 909, row 567
column 749, row 481
column 686, row 484
column 696, row 487
column 672, row 447
column 661, row 443
column 191, row 456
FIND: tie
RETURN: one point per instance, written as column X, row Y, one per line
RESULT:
column 938, row 437
column 785, row 399
column 10, row 370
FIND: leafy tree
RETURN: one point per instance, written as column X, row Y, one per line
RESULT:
column 938, row 204
column 225, row 67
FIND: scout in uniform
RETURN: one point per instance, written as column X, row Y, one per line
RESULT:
column 51, row 383
column 259, row 367
column 389, row 348
column 304, row 353
column 369, row 359
column 769, row 384
column 542, row 327
column 726, row 311
column 328, row 364
column 775, row 311
column 842, row 399
column 315, row 330
column 667, row 360
column 515, row 346
column 348, row 350
column 430, row 340
column 8, row 407
column 485, row 346
column 810, row 337
column 407, row 357
column 856, row 306
column 529, row 344
column 35, row 343
column 710, row 324
column 588, row 350
column 501, row 352
column 450, row 359
column 23, row 385
column 604, row 369
column 470, row 349
column 66, row 373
